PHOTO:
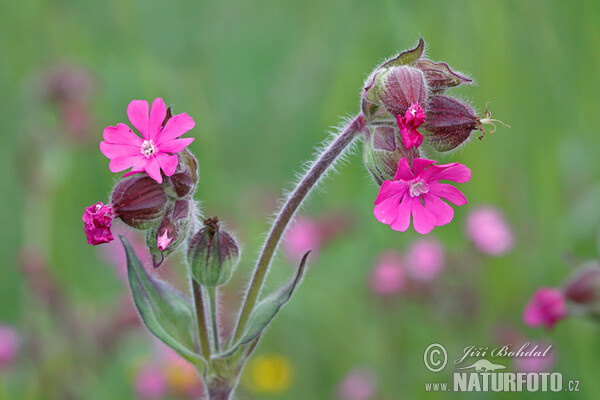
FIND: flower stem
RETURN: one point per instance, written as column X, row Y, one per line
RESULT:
column 212, row 293
column 318, row 168
column 201, row 320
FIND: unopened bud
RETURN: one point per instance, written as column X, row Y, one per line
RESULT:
column 212, row 254
column 583, row 288
column 139, row 201
column 185, row 178
column 449, row 123
column 171, row 231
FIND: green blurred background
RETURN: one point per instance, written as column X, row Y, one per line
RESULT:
column 264, row 80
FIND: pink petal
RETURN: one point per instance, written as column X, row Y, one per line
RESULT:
column 403, row 171
column 153, row 169
column 121, row 134
column 387, row 211
column 402, row 221
column 176, row 126
column 442, row 211
column 167, row 163
column 448, row 192
column 113, row 150
column 137, row 111
column 456, row 173
column 122, row 163
column 423, row 220
column 389, row 189
column 175, row 146
column 419, row 165
column 158, row 113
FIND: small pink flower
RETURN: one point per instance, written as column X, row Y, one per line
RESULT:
column 155, row 150
column 546, row 307
column 388, row 278
column 535, row 363
column 357, row 385
column 150, row 383
column 98, row 220
column 488, row 231
column 408, row 124
column 9, row 345
column 425, row 259
column 420, row 194
column 303, row 235
column 164, row 241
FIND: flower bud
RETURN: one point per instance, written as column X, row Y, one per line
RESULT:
column 171, row 231
column 139, row 201
column 439, row 76
column 449, row 123
column 583, row 288
column 98, row 220
column 185, row 178
column 399, row 88
column 383, row 150
column 212, row 254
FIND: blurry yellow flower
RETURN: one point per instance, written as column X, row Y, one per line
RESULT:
column 269, row 374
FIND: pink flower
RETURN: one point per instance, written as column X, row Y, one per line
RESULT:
column 488, row 231
column 357, row 385
column 98, row 219
column 408, row 124
column 303, row 235
column 155, row 150
column 9, row 345
column 164, row 241
column 425, row 259
column 388, row 278
column 546, row 307
column 420, row 194
column 535, row 363
column 150, row 383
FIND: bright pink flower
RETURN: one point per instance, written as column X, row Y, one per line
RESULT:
column 425, row 259
column 357, row 385
column 420, row 194
column 150, row 383
column 546, row 307
column 408, row 124
column 98, row 219
column 9, row 345
column 488, row 231
column 388, row 278
column 155, row 150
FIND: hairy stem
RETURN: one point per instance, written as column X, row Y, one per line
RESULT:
column 212, row 294
column 295, row 199
column 201, row 319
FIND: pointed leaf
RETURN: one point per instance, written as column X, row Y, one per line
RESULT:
column 166, row 312
column 265, row 311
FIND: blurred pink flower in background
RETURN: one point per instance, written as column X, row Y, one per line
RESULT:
column 359, row 384
column 9, row 345
column 388, row 276
column 181, row 376
column 535, row 363
column 546, row 307
column 425, row 259
column 312, row 234
column 488, row 230
column 150, row 383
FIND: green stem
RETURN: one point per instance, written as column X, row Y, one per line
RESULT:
column 201, row 319
column 316, row 171
column 212, row 293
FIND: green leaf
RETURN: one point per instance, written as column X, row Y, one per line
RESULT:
column 265, row 311
column 166, row 312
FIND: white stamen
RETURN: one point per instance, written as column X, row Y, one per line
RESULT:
column 148, row 148
column 418, row 188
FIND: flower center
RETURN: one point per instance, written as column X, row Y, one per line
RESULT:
column 148, row 148
column 417, row 188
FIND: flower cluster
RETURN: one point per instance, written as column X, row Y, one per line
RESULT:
column 405, row 106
